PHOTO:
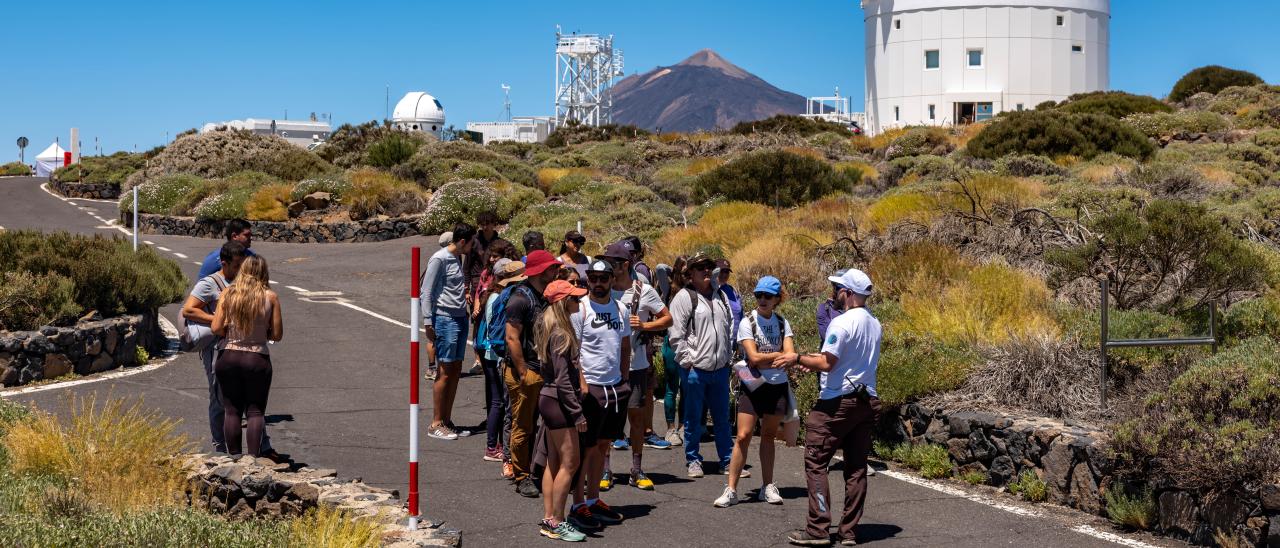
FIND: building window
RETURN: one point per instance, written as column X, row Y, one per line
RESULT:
column 897, row 114
column 897, row 24
column 932, row 59
column 1061, row 21
column 933, row 112
column 975, row 58
column 1077, row 48
column 1020, row 109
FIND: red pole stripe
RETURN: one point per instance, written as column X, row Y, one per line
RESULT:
column 413, row 489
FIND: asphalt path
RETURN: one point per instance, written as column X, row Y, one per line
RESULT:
column 339, row 400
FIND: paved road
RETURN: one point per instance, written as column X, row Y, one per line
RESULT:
column 338, row 400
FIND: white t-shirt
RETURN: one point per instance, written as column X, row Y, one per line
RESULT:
column 768, row 341
column 601, row 328
column 854, row 339
column 650, row 306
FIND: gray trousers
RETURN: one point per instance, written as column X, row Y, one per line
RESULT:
column 207, row 356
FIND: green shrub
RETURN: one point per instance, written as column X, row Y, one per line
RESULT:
column 920, row 140
column 913, row 366
column 569, row 184
column 1116, row 104
column 1054, row 133
column 790, row 124
column 458, row 202
column 1131, row 511
column 106, row 274
column 777, row 178
column 348, row 146
column 1269, row 138
column 514, row 198
column 1215, row 424
column 337, row 185
column 13, row 169
column 390, row 150
column 1161, row 124
column 162, row 195
column 1251, row 318
column 112, row 170
column 909, row 169
column 932, row 461
column 574, row 133
column 607, row 211
column 1027, row 166
column 1211, row 79
column 28, row 301
column 606, row 155
column 378, row 193
column 226, row 205
column 159, row 528
column 974, row 477
column 1030, row 487
column 1166, row 255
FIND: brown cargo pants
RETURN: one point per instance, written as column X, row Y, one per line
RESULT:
column 523, row 395
column 838, row 423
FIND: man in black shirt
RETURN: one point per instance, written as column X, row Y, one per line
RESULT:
column 523, row 377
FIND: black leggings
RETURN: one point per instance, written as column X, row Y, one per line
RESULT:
column 244, row 379
column 495, row 401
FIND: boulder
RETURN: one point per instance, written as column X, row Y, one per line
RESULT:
column 55, row 365
column 937, row 431
column 8, row 376
column 981, row 448
column 1002, row 470
column 1224, row 511
column 255, row 486
column 1177, row 511
column 1084, row 491
column 240, row 511
column 1057, row 466
column 306, row 494
column 1273, row 532
column 102, row 363
column 958, row 448
column 960, row 424
column 1270, row 495
column 318, row 200
column 296, row 209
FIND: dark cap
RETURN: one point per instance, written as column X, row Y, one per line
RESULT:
column 599, row 265
column 574, row 236
column 618, row 250
column 723, row 265
column 700, row 258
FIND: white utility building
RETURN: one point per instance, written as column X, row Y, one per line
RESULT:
column 303, row 133
column 418, row 111
column 521, row 129
column 943, row 62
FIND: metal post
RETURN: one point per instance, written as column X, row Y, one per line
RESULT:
column 1103, row 387
column 1213, row 327
column 135, row 218
column 415, row 312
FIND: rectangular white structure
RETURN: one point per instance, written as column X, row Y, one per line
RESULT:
column 303, row 133
column 521, row 129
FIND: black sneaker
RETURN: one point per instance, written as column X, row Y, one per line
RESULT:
column 527, row 488
column 803, row 538
column 582, row 518
column 605, row 514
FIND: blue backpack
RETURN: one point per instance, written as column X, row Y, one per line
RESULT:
column 493, row 335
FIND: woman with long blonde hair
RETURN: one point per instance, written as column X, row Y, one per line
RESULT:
column 560, row 405
column 248, row 316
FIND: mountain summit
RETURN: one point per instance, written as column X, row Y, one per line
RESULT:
column 702, row 92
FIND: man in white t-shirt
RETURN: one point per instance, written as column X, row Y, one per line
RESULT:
column 845, row 413
column 603, row 326
column 648, row 316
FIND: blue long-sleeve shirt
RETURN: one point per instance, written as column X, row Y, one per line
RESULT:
column 444, row 287
column 827, row 311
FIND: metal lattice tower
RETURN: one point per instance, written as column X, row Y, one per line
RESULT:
column 586, row 67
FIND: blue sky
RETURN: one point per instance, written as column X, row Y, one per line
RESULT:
column 128, row 73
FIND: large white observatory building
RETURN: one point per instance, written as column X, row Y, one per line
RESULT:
column 418, row 111
column 944, row 62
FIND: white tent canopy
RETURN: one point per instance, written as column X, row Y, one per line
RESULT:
column 49, row 160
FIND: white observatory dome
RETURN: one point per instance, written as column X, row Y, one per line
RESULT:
column 418, row 111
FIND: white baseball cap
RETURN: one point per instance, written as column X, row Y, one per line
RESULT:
column 854, row 280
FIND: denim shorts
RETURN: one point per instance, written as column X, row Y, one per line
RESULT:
column 451, row 338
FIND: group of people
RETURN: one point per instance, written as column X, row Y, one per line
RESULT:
column 566, row 345
column 230, row 318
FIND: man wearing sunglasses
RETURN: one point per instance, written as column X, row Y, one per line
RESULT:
column 700, row 334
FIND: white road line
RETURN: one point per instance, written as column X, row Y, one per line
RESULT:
column 148, row 242
column 272, row 281
column 296, row 288
column 179, row 255
column 162, row 248
column 374, row 314
column 953, row 491
column 198, row 263
column 170, row 332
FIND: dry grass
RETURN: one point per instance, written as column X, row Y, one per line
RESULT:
column 547, row 176
column 1036, row 372
column 328, row 527
column 728, row 226
column 806, row 151
column 116, row 454
column 269, row 203
column 869, row 172
column 960, row 136
column 375, row 192
column 698, row 166
column 836, row 214
column 891, row 209
column 788, row 256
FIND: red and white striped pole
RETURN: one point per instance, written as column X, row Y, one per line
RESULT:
column 415, row 313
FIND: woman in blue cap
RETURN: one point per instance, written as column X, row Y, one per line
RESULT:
column 768, row 346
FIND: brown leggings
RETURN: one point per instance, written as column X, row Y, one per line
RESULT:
column 244, row 379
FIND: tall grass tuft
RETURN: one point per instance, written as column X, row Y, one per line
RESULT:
column 328, row 527
column 1137, row 511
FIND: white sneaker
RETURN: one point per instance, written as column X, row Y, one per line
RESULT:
column 442, row 432
column 695, row 470
column 674, row 437
column 770, row 494
column 727, row 499
column 870, row 471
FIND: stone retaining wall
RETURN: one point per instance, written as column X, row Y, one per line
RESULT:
column 377, row 229
column 97, row 191
column 88, row 347
column 1073, row 461
column 247, row 488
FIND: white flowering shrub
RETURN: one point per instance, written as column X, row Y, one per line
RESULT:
column 458, row 202
column 163, row 195
column 1159, row 124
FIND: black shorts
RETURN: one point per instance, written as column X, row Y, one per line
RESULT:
column 554, row 415
column 768, row 399
column 640, row 382
column 606, row 410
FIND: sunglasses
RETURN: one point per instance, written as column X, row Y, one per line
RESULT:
column 701, row 268
column 599, row 278
column 763, row 296
column 578, row 242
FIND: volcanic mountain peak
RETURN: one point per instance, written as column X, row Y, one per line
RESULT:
column 709, row 58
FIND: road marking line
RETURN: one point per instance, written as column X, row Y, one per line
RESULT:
column 179, row 255
column 375, row 314
column 272, row 281
column 953, row 491
column 197, row 263
column 171, row 332
column 296, row 288
column 162, row 248
column 148, row 242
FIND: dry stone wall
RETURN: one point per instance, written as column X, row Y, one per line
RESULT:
column 1073, row 461
column 88, row 347
column 376, row 229
column 247, row 488
column 96, row 191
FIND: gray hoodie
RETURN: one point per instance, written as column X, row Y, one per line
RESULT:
column 706, row 346
column 443, row 287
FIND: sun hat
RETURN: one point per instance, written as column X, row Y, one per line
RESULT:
column 770, row 285
column 700, row 258
column 618, row 250
column 539, row 261
column 509, row 272
column 560, row 289
column 854, row 280
column 600, row 265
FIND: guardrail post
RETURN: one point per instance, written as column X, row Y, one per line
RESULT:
column 1103, row 338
